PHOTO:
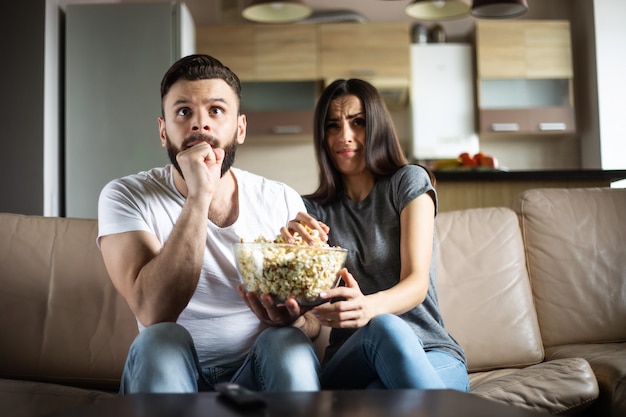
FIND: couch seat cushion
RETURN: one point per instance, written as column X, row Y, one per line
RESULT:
column 608, row 361
column 34, row 399
column 564, row 386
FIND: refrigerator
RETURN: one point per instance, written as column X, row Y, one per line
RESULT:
column 115, row 57
column 442, row 101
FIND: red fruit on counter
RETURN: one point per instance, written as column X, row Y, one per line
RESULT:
column 489, row 161
column 467, row 160
column 478, row 158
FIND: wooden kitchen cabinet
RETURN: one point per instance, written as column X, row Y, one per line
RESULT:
column 525, row 77
column 286, row 52
column 373, row 50
column 231, row 44
column 524, row 49
column 535, row 120
column 262, row 52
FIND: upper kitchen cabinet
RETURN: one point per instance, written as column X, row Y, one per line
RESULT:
column 231, row 44
column 523, row 49
column 525, row 77
column 379, row 51
column 262, row 52
column 289, row 52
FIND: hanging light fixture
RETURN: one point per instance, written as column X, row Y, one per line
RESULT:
column 276, row 11
column 438, row 9
column 499, row 9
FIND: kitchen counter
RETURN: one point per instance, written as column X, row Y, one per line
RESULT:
column 470, row 188
column 497, row 175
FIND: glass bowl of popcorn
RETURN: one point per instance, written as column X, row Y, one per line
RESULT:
column 300, row 271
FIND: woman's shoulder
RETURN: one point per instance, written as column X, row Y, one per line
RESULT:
column 412, row 173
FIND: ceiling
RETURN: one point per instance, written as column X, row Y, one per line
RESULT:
column 223, row 11
column 208, row 12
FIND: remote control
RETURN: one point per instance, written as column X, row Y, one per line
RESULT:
column 238, row 395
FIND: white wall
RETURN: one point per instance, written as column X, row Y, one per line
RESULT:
column 52, row 114
column 52, row 205
column 293, row 164
column 611, row 67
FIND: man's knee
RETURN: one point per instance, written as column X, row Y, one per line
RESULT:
column 290, row 343
column 161, row 359
column 279, row 337
column 164, row 336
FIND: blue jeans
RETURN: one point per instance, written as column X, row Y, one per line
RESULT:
column 387, row 354
column 163, row 359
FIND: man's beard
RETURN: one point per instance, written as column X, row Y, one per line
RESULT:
column 229, row 150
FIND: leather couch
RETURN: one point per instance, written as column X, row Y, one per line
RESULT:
column 535, row 293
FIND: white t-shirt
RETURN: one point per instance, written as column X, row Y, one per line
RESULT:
column 221, row 324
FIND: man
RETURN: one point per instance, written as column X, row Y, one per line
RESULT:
column 166, row 237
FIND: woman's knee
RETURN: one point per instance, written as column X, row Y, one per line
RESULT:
column 391, row 334
column 388, row 324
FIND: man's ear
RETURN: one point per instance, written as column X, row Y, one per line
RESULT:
column 242, row 124
column 162, row 131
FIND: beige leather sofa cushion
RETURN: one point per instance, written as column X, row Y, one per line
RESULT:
column 28, row 399
column 559, row 386
column 576, row 246
column 60, row 316
column 483, row 288
column 608, row 361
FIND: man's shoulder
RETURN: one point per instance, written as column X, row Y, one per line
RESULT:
column 263, row 191
column 158, row 175
column 259, row 182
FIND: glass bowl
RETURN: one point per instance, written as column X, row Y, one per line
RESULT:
column 283, row 270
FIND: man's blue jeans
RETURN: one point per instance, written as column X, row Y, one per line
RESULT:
column 387, row 354
column 163, row 359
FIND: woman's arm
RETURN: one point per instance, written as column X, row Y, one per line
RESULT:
column 417, row 227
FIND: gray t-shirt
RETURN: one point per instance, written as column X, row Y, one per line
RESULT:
column 370, row 230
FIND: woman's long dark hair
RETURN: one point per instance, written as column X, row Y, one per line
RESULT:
column 383, row 152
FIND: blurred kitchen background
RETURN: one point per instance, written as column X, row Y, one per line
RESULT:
column 542, row 92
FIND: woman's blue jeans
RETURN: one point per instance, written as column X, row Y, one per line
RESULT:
column 387, row 354
column 163, row 359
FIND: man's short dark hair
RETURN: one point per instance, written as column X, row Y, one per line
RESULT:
column 200, row 67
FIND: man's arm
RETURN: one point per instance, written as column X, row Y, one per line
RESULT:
column 157, row 281
column 309, row 324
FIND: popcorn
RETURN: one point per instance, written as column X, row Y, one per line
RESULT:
column 299, row 270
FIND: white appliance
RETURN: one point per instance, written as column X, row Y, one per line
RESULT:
column 116, row 55
column 442, row 101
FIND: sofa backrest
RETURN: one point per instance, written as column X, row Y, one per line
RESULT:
column 483, row 288
column 61, row 319
column 576, row 249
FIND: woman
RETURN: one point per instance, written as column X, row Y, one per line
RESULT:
column 387, row 330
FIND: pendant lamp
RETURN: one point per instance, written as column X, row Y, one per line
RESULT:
column 276, row 11
column 438, row 9
column 499, row 9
